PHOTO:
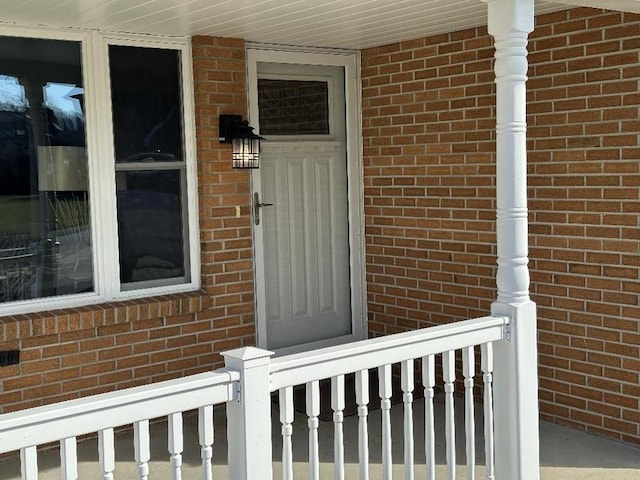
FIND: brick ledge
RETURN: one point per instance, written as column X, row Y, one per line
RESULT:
column 51, row 322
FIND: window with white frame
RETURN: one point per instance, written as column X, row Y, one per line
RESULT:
column 97, row 169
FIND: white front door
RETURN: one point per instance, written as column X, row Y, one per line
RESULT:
column 306, row 200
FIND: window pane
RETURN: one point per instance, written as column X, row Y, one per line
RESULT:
column 45, row 236
column 147, row 104
column 293, row 107
column 150, row 226
column 146, row 99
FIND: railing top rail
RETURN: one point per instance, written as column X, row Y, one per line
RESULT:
column 327, row 362
column 53, row 422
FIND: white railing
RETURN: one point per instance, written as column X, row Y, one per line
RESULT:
column 246, row 386
column 64, row 422
column 381, row 353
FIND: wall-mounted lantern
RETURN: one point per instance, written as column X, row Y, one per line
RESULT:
column 245, row 143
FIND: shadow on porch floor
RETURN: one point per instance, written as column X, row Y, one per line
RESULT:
column 566, row 454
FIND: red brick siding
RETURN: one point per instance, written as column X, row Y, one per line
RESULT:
column 428, row 127
column 225, row 239
column 71, row 353
column 84, row 351
column 584, row 125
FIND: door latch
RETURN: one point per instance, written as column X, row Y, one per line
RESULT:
column 257, row 206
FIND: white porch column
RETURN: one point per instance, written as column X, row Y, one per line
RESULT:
column 516, row 373
column 249, row 418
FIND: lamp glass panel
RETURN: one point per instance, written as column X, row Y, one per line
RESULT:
column 246, row 153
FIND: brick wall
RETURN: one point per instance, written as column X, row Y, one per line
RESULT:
column 428, row 121
column 225, row 236
column 70, row 353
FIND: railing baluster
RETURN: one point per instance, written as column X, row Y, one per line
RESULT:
column 429, row 381
column 337, row 405
column 407, row 383
column 106, row 453
column 486, row 350
column 468, row 371
column 449, row 377
column 286, row 419
column 313, row 410
column 69, row 458
column 205, row 436
column 362, row 399
column 142, row 448
column 385, row 392
column 29, row 463
column 176, row 444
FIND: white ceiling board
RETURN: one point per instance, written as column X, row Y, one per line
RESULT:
column 381, row 29
column 632, row 6
column 353, row 24
column 354, row 18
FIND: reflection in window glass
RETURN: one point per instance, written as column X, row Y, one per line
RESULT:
column 293, row 107
column 147, row 104
column 12, row 96
column 62, row 104
column 150, row 225
column 45, row 237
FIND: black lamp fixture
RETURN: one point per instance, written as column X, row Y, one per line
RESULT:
column 246, row 144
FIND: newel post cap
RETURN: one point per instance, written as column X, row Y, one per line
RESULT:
column 247, row 356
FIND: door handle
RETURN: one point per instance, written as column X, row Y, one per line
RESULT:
column 257, row 206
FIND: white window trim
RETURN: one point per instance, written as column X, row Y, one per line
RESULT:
column 101, row 162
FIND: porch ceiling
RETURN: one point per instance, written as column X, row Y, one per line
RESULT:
column 353, row 24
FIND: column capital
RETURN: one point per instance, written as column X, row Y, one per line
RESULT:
column 509, row 16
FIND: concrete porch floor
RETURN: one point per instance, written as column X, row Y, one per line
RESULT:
column 565, row 454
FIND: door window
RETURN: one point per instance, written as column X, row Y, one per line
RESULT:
column 293, row 107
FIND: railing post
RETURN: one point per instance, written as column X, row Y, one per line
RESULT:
column 515, row 374
column 249, row 417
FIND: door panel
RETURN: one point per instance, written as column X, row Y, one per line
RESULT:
column 307, row 245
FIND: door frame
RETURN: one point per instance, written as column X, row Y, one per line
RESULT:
column 353, row 140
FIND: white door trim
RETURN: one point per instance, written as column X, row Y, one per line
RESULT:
column 350, row 62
